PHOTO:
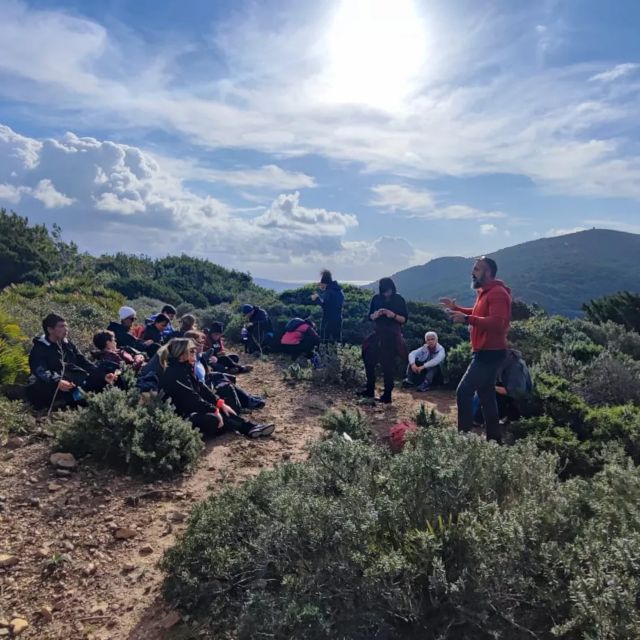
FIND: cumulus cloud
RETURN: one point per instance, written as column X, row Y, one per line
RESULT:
column 488, row 229
column 395, row 198
column 50, row 197
column 269, row 176
column 616, row 72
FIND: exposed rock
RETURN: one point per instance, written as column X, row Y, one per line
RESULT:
column 170, row 620
column 146, row 550
column 34, row 502
column 176, row 516
column 53, row 487
column 90, row 569
column 68, row 545
column 100, row 609
column 43, row 552
column 8, row 561
column 46, row 612
column 63, row 473
column 128, row 567
column 15, row 442
column 63, row 461
column 125, row 533
column 18, row 625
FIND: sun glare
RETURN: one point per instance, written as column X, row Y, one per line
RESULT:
column 376, row 49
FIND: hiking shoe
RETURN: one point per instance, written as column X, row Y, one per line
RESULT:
column 367, row 393
column 261, row 430
column 424, row 387
column 244, row 368
column 384, row 399
column 255, row 402
column 407, row 384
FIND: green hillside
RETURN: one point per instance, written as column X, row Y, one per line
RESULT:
column 559, row 274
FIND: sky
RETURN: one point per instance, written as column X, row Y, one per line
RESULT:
column 282, row 137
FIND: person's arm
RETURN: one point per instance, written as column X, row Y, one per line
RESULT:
column 373, row 308
column 498, row 317
column 197, row 402
column 436, row 360
column 502, row 391
column 413, row 355
column 403, row 313
column 39, row 369
column 466, row 310
column 82, row 361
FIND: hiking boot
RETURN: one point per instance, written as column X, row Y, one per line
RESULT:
column 261, row 431
column 367, row 393
column 407, row 384
column 384, row 398
column 255, row 402
column 423, row 387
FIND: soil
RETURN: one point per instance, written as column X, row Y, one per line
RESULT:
column 87, row 542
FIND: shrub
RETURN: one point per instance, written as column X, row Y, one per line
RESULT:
column 13, row 361
column 15, row 419
column 611, row 380
column 353, row 423
column 342, row 366
column 457, row 361
column 296, row 372
column 432, row 418
column 139, row 433
column 454, row 538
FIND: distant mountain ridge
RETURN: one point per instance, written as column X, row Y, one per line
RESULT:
column 276, row 285
column 560, row 274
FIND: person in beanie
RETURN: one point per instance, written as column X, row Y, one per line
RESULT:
column 488, row 321
column 259, row 328
column 331, row 300
column 122, row 331
column 388, row 311
column 425, row 363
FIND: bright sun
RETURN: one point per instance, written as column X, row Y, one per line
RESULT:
column 376, row 49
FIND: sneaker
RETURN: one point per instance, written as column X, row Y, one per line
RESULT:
column 407, row 384
column 384, row 399
column 366, row 393
column 261, row 431
column 255, row 402
column 424, row 387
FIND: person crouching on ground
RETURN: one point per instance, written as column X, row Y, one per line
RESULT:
column 193, row 400
column 388, row 311
column 300, row 338
column 425, row 363
column 259, row 330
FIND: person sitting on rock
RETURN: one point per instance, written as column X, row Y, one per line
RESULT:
column 216, row 354
column 124, row 337
column 425, row 363
column 193, row 400
column 300, row 338
column 60, row 374
column 259, row 329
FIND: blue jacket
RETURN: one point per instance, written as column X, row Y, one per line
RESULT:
column 331, row 301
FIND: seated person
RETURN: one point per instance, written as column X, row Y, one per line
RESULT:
column 216, row 355
column 155, row 332
column 59, row 371
column 300, row 338
column 223, row 383
column 193, row 400
column 170, row 312
column 259, row 330
column 124, row 337
column 512, row 383
column 187, row 323
column 108, row 351
column 425, row 364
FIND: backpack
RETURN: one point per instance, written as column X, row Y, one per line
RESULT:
column 293, row 324
column 398, row 434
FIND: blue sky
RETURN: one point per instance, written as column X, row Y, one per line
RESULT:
column 283, row 137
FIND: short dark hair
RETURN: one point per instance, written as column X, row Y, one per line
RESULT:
column 493, row 267
column 168, row 308
column 326, row 277
column 101, row 338
column 386, row 284
column 216, row 327
column 161, row 318
column 50, row 322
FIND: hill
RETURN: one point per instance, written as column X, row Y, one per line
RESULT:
column 559, row 274
column 276, row 285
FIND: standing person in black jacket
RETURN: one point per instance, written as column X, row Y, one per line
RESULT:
column 388, row 311
column 331, row 301
column 193, row 400
column 59, row 370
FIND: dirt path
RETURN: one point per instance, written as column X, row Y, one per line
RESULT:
column 62, row 529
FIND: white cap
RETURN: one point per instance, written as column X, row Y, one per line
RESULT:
column 126, row 312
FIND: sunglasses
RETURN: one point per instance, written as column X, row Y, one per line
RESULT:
column 192, row 350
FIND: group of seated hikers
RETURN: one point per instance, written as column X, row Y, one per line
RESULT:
column 191, row 368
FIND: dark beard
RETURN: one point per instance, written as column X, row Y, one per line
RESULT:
column 475, row 284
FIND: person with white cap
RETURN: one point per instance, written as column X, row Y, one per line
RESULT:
column 122, row 330
column 425, row 363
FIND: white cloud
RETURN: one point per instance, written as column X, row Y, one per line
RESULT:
column 50, row 197
column 10, row 194
column 268, row 176
column 616, row 72
column 553, row 233
column 488, row 229
column 395, row 198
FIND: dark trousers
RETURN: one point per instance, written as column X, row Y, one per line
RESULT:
column 225, row 363
column 426, row 375
column 384, row 349
column 480, row 378
column 306, row 347
column 40, row 394
column 331, row 330
column 257, row 340
column 207, row 423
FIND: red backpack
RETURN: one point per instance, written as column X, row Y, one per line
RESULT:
column 398, row 434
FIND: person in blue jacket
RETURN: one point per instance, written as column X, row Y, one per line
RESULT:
column 331, row 300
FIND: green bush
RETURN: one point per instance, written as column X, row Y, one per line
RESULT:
column 13, row 361
column 611, row 379
column 426, row 419
column 452, row 539
column 342, row 366
column 296, row 372
column 15, row 419
column 138, row 433
column 457, row 362
column 353, row 423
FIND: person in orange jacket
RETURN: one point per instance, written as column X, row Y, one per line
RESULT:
column 488, row 321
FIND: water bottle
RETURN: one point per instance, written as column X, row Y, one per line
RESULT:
column 245, row 334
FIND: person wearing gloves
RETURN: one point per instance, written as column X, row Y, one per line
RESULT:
column 331, row 300
column 193, row 400
column 425, row 363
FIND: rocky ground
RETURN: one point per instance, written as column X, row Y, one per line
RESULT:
column 79, row 545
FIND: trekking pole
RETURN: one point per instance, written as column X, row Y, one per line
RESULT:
column 55, row 393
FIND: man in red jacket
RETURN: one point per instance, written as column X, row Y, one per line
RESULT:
column 489, row 323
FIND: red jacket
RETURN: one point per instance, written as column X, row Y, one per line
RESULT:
column 489, row 319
